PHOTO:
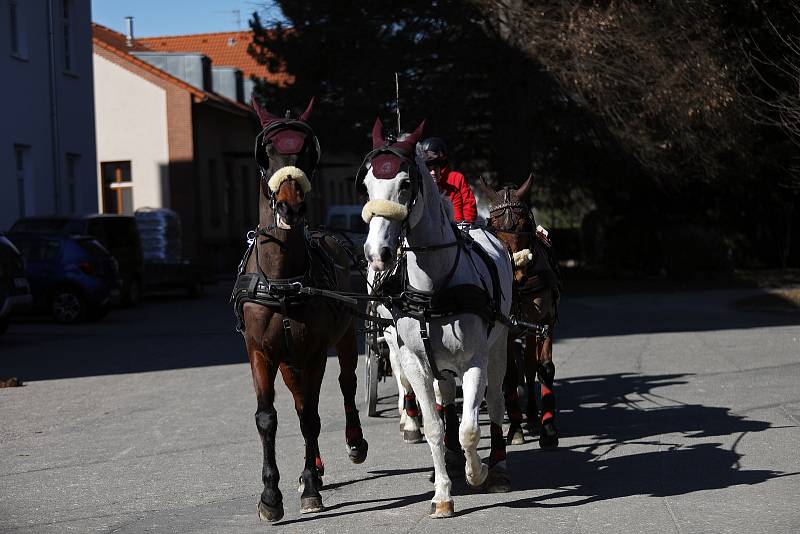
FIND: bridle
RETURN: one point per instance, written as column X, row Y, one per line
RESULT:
column 284, row 134
column 512, row 211
column 387, row 160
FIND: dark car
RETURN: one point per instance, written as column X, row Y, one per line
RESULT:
column 15, row 294
column 117, row 233
column 71, row 277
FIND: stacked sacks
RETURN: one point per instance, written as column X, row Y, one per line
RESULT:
column 160, row 231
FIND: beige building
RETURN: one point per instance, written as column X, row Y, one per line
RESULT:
column 166, row 139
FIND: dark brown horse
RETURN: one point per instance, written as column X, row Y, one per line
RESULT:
column 536, row 295
column 286, row 329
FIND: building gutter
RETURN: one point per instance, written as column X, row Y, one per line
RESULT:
column 54, row 130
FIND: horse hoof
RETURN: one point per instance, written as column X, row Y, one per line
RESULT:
column 440, row 510
column 269, row 513
column 310, row 505
column 358, row 453
column 515, row 437
column 548, row 437
column 412, row 436
column 479, row 481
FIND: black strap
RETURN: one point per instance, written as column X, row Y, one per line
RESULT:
column 429, row 248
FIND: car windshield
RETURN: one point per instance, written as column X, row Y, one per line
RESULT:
column 40, row 225
column 38, row 249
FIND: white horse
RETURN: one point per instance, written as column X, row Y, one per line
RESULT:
column 405, row 208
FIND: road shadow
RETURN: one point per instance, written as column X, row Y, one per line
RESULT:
column 618, row 315
column 607, row 410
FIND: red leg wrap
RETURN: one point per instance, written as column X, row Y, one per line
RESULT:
column 498, row 453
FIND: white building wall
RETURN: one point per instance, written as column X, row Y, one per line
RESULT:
column 131, row 124
column 47, row 109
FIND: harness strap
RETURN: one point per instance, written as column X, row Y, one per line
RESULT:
column 426, row 342
column 429, row 248
column 287, row 335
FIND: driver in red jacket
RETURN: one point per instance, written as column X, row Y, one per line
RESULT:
column 451, row 182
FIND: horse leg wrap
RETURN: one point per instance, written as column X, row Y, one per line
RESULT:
column 498, row 441
column 410, row 405
column 547, row 372
column 514, row 436
column 357, row 446
column 451, row 428
column 352, row 429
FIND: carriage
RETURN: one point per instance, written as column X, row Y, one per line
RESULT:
column 376, row 359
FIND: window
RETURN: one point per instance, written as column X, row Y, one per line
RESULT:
column 13, row 23
column 38, row 249
column 72, row 171
column 16, row 30
column 21, row 172
column 213, row 185
column 117, row 187
column 66, row 7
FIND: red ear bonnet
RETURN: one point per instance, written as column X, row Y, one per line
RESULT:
column 263, row 115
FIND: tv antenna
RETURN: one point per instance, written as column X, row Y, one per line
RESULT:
column 237, row 15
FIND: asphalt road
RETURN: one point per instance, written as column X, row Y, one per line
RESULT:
column 678, row 413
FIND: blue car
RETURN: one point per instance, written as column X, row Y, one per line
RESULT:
column 71, row 277
column 15, row 294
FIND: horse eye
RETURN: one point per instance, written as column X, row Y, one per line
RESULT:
column 405, row 184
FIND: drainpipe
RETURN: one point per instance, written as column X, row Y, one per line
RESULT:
column 54, row 130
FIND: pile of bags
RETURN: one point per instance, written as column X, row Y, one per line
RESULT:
column 160, row 231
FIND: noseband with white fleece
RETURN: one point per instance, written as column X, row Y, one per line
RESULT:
column 289, row 173
column 384, row 208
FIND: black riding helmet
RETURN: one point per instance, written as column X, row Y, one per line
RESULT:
column 435, row 150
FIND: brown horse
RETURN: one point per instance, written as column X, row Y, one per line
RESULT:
column 287, row 328
column 536, row 296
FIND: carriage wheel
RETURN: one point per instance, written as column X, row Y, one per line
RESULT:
column 371, row 393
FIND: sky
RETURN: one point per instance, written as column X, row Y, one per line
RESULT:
column 174, row 17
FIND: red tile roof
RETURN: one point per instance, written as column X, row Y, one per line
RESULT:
column 116, row 43
column 226, row 49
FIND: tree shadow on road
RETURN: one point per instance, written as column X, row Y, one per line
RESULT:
column 608, row 410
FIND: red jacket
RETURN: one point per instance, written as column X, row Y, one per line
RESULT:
column 460, row 194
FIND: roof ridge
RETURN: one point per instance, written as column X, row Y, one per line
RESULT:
column 183, row 35
column 167, row 76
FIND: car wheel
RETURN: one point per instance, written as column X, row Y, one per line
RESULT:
column 133, row 296
column 68, row 306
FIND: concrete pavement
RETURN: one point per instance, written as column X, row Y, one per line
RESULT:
column 678, row 413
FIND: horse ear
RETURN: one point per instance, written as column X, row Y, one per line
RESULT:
column 522, row 192
column 307, row 113
column 377, row 134
column 263, row 115
column 409, row 143
column 488, row 191
column 416, row 134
